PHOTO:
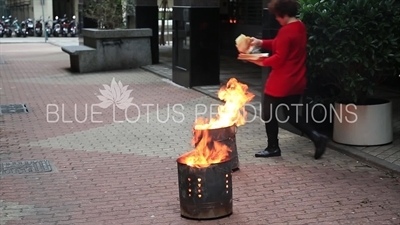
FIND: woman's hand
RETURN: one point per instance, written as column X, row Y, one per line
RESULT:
column 255, row 42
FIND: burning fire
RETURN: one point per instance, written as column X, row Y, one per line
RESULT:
column 206, row 152
column 235, row 96
column 232, row 112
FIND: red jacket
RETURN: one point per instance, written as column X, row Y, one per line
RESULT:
column 288, row 74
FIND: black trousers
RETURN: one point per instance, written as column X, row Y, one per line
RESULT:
column 291, row 109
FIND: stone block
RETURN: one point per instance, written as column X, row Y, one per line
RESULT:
column 105, row 50
column 80, row 57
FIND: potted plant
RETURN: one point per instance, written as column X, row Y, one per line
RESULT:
column 352, row 47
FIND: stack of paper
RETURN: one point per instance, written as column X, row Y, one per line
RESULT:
column 243, row 44
column 252, row 56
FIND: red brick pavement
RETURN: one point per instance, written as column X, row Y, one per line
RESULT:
column 74, row 102
column 113, row 188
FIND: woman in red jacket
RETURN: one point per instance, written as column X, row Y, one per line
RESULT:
column 287, row 80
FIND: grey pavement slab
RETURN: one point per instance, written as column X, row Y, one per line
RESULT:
column 59, row 41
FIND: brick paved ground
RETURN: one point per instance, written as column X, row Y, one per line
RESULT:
column 125, row 173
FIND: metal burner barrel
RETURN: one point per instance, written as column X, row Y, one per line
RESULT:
column 205, row 193
column 226, row 136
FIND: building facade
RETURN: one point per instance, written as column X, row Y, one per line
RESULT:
column 24, row 9
column 35, row 9
column 3, row 8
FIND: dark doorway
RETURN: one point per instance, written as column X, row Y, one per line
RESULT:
column 61, row 7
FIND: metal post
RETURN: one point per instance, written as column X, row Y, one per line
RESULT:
column 163, row 6
column 80, row 15
column 43, row 22
column 81, row 25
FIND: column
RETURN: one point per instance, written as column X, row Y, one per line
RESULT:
column 79, row 21
column 196, row 42
column 146, row 16
column 76, row 12
column 37, row 11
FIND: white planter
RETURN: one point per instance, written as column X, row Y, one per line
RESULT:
column 363, row 125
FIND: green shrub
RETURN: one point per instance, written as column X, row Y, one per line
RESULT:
column 352, row 46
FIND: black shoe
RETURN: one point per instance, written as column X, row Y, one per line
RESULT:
column 270, row 151
column 320, row 142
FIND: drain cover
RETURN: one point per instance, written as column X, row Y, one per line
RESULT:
column 21, row 167
column 13, row 108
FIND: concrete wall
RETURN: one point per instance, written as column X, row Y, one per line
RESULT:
column 31, row 9
column 22, row 11
column 37, row 12
column 3, row 8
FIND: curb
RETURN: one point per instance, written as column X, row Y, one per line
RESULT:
column 39, row 40
column 346, row 150
column 365, row 157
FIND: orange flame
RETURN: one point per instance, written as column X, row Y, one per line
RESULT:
column 232, row 112
column 206, row 152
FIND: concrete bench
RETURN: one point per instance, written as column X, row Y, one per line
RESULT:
column 117, row 49
column 81, row 57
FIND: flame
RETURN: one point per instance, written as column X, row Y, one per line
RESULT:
column 235, row 96
column 232, row 112
column 206, row 152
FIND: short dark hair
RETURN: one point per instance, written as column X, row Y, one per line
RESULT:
column 284, row 7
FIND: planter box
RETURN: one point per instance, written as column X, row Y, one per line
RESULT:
column 105, row 50
column 363, row 125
